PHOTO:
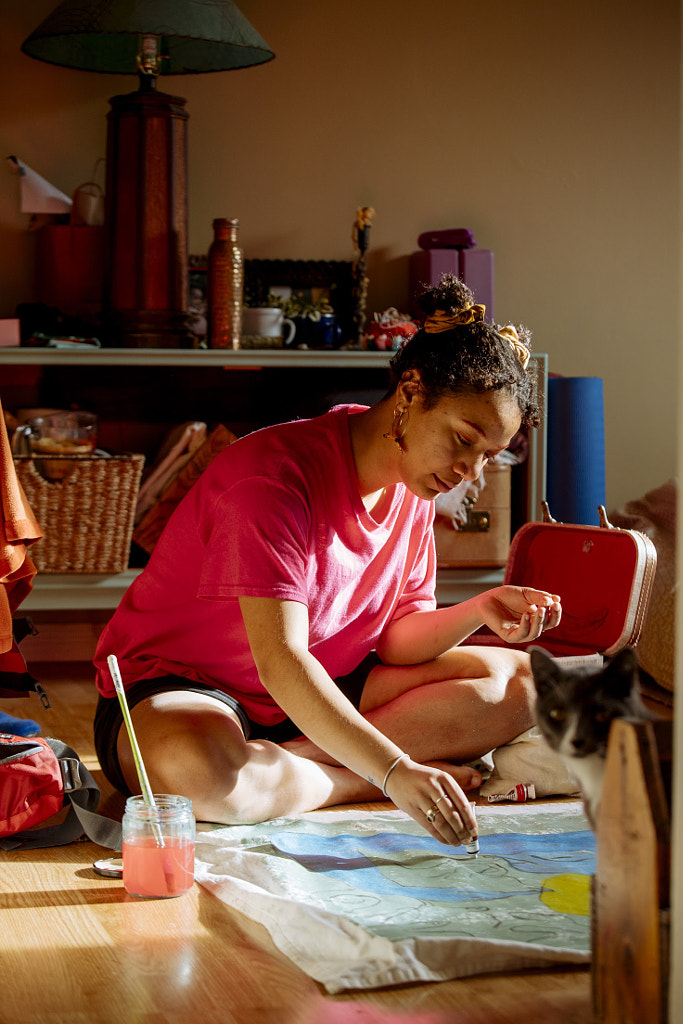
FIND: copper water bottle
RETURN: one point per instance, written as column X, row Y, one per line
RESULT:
column 225, row 286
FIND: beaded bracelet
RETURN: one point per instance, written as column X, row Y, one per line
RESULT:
column 390, row 770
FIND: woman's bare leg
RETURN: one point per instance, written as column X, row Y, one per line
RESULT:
column 450, row 710
column 458, row 707
column 193, row 745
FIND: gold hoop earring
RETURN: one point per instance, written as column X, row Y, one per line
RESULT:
column 397, row 429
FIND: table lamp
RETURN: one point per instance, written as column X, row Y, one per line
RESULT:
column 145, row 295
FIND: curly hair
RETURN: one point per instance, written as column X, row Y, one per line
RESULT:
column 469, row 358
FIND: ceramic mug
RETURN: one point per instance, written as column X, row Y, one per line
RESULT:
column 267, row 322
column 328, row 332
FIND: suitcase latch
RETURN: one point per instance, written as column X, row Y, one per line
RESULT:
column 475, row 522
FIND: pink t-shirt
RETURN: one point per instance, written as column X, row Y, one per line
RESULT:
column 276, row 514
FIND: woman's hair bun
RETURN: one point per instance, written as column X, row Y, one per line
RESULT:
column 450, row 294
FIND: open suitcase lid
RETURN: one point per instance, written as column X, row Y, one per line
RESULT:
column 602, row 574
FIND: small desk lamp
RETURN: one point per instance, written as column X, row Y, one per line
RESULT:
column 146, row 279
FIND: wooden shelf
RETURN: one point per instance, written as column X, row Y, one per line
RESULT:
column 456, row 585
column 261, row 357
column 74, row 591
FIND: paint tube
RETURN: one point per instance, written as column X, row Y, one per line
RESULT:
column 473, row 846
column 519, row 794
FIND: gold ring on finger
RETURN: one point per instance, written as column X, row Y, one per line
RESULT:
column 431, row 814
column 442, row 797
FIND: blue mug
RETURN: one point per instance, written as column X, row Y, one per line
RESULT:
column 328, row 332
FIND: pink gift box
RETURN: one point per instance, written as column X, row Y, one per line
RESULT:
column 9, row 332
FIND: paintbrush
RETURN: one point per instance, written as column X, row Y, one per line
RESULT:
column 145, row 787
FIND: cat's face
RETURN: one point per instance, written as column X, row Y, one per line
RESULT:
column 575, row 707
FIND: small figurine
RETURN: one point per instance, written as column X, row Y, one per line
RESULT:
column 361, row 240
column 389, row 330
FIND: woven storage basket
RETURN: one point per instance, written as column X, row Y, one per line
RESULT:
column 87, row 517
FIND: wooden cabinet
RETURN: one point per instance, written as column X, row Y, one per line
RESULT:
column 139, row 394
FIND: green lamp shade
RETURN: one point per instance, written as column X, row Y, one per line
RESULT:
column 196, row 36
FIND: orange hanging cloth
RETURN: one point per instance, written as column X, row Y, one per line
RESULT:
column 18, row 529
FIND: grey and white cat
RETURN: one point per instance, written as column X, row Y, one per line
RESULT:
column 575, row 708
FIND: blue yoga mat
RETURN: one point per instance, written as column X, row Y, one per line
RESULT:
column 576, row 449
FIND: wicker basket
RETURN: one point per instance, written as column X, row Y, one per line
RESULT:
column 87, row 517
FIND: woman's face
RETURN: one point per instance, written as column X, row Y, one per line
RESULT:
column 454, row 439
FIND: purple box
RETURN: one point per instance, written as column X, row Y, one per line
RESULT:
column 426, row 269
column 473, row 266
column 476, row 270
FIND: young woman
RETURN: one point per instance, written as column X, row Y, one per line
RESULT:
column 282, row 650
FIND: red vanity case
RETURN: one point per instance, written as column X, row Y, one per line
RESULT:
column 602, row 574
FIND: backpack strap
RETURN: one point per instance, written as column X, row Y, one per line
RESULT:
column 15, row 678
column 83, row 794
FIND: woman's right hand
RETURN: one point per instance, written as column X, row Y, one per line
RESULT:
column 519, row 614
column 421, row 789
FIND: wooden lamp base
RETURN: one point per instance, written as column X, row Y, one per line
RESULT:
column 146, row 251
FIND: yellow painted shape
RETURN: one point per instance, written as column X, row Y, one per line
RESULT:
column 568, row 894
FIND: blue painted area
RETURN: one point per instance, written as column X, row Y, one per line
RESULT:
column 565, row 853
column 368, row 856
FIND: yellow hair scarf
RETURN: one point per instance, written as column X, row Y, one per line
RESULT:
column 441, row 321
column 521, row 351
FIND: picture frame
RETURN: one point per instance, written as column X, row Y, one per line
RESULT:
column 311, row 280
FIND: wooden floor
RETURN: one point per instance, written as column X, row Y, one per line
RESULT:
column 76, row 949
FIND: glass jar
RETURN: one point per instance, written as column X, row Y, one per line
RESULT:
column 158, row 846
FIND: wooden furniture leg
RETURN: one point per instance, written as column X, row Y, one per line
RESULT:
column 631, row 888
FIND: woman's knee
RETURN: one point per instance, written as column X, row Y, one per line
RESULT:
column 500, row 673
column 510, row 673
column 194, row 752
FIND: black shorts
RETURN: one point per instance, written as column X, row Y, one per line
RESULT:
column 108, row 717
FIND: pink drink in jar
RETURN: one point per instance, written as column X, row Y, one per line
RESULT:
column 158, row 846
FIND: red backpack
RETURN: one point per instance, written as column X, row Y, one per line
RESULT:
column 38, row 777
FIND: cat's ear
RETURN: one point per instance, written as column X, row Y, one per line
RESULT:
column 544, row 668
column 622, row 674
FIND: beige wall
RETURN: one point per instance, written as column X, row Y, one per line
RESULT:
column 548, row 128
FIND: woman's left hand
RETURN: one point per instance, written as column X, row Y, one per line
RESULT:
column 520, row 614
